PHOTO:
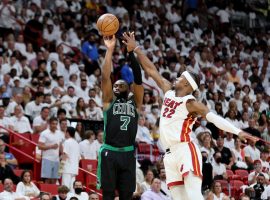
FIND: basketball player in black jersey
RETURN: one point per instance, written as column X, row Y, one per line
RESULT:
column 116, row 168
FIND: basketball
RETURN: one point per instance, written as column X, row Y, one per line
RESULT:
column 107, row 24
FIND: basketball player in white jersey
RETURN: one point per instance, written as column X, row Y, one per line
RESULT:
column 183, row 160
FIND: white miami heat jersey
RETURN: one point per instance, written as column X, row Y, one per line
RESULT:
column 175, row 121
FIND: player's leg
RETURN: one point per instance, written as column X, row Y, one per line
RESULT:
column 126, row 180
column 179, row 192
column 193, row 185
column 108, row 174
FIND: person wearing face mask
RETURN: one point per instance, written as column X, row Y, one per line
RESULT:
column 47, row 84
column 78, row 191
column 202, row 128
column 62, row 193
column 207, row 171
column 219, row 169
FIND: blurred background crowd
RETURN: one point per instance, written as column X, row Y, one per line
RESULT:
column 51, row 56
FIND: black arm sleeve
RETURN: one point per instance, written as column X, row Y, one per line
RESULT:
column 135, row 66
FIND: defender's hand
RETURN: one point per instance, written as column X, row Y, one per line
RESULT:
column 129, row 41
column 244, row 136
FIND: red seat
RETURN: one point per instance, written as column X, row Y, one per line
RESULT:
column 229, row 173
column 18, row 172
column 50, row 188
column 236, row 188
column 144, row 148
column 89, row 165
column 1, row 187
column 224, row 186
column 80, row 176
column 35, row 137
column 243, row 175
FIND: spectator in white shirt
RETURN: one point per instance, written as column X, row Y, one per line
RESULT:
column 78, row 189
column 88, row 147
column 99, row 140
column 71, row 157
column 251, row 153
column 20, row 123
column 26, row 187
column 264, row 161
column 33, row 108
column 5, row 122
column 17, row 100
column 40, row 122
column 95, row 112
column 69, row 100
column 257, row 170
column 80, row 110
column 8, row 193
column 93, row 94
column 83, row 90
column 229, row 141
column 143, row 133
column 219, row 169
column 49, row 142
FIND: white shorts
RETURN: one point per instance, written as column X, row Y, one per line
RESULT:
column 180, row 160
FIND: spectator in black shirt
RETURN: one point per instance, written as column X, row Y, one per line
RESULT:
column 207, row 171
column 226, row 155
column 251, row 128
column 6, row 171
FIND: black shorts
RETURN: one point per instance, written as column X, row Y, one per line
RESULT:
column 118, row 170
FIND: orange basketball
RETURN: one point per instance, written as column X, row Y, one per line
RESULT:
column 107, row 24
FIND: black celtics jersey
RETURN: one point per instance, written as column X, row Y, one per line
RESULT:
column 121, row 123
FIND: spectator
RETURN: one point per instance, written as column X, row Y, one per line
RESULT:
column 95, row 112
column 93, row 196
column 6, row 123
column 147, row 180
column 229, row 141
column 71, row 157
column 99, row 140
column 251, row 153
column 62, row 193
column 20, row 123
column 40, row 122
column 8, row 193
column 226, row 155
column 80, row 133
column 238, row 155
column 219, row 169
column 69, row 100
column 217, row 193
column 49, row 142
column 26, row 187
column 207, row 146
column 45, row 196
column 143, row 133
column 264, row 161
column 207, row 171
column 252, row 177
column 90, row 54
column 78, row 189
column 93, row 94
column 6, row 171
column 63, row 126
column 88, row 147
column 164, row 187
column 10, row 159
column 83, row 90
column 7, row 19
column 80, row 111
column 33, row 108
column 17, row 100
column 252, row 128
column 154, row 193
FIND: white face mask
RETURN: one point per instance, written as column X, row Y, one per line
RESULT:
column 203, row 123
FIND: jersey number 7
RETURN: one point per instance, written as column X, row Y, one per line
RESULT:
column 126, row 120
